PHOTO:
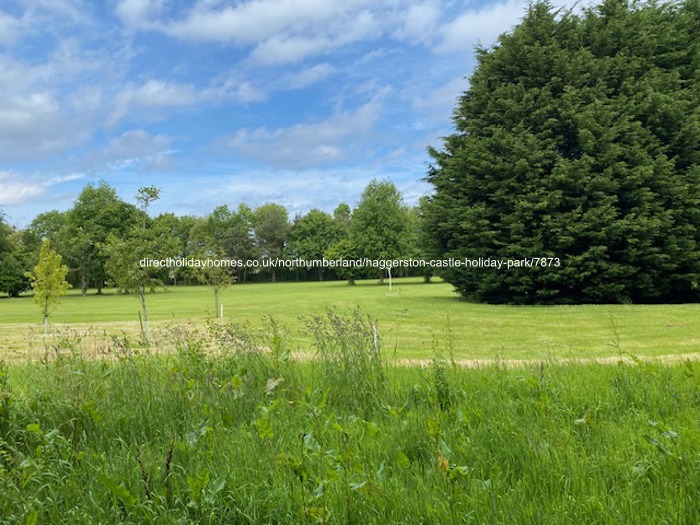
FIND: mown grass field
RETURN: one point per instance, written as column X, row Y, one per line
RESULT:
column 246, row 435
column 410, row 318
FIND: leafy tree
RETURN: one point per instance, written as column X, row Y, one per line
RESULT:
column 578, row 139
column 124, row 254
column 217, row 278
column 271, row 232
column 14, row 262
column 230, row 233
column 344, row 250
column 145, row 196
column 13, row 273
column 48, row 281
column 343, row 215
column 379, row 228
column 311, row 236
column 180, row 231
column 211, row 237
column 96, row 214
column 47, row 225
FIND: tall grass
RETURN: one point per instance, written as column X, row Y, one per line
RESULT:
column 227, row 429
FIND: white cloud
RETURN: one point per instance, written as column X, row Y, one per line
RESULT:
column 10, row 28
column 241, row 91
column 311, row 143
column 153, row 94
column 137, row 13
column 278, row 31
column 73, row 10
column 436, row 105
column 308, row 76
column 34, row 125
column 159, row 95
column 253, row 21
column 293, row 48
column 16, row 189
column 18, row 192
column 417, row 23
column 135, row 143
column 480, row 26
column 378, row 54
column 131, row 148
column 288, row 49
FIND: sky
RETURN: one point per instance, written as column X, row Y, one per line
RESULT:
column 298, row 102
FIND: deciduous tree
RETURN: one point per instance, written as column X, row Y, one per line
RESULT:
column 48, row 280
column 379, row 229
column 271, row 232
column 124, row 255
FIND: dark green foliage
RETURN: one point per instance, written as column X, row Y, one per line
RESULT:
column 271, row 223
column 380, row 226
column 97, row 214
column 344, row 250
column 13, row 269
column 311, row 236
column 14, row 261
column 579, row 138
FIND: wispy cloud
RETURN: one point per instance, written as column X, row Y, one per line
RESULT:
column 17, row 190
column 310, row 143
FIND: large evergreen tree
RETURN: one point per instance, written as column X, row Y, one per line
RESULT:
column 578, row 139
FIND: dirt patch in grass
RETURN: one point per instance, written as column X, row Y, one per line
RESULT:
column 524, row 363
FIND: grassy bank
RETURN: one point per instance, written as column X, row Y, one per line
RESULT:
column 246, row 435
column 410, row 316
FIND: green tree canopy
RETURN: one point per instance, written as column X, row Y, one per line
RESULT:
column 578, row 139
column 14, row 261
column 229, row 233
column 380, row 226
column 96, row 214
column 311, row 236
column 271, row 232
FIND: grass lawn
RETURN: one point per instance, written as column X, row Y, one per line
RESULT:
column 411, row 318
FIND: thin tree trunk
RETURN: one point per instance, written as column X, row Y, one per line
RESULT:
column 142, row 296
column 46, row 324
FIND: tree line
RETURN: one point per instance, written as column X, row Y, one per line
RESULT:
column 102, row 237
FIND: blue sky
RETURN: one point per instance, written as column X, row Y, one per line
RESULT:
column 299, row 102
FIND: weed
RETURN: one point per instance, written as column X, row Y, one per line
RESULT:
column 349, row 351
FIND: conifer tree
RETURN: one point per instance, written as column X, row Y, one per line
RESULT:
column 578, row 139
